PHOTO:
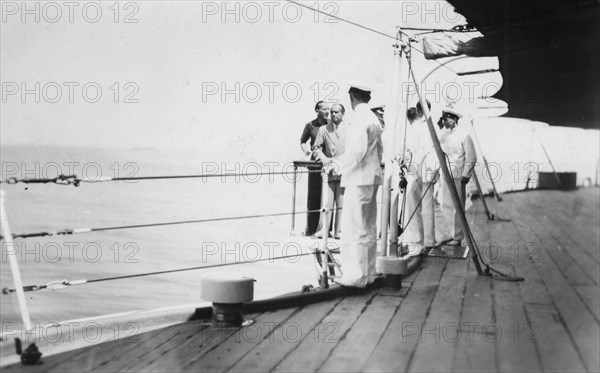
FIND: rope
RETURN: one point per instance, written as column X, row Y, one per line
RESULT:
column 420, row 200
column 75, row 180
column 55, row 285
column 402, row 176
column 87, row 230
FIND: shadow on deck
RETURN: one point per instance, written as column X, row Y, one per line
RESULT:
column 445, row 318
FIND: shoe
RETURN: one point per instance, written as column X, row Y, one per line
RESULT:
column 319, row 234
column 415, row 250
column 443, row 242
column 454, row 243
column 348, row 284
column 337, row 237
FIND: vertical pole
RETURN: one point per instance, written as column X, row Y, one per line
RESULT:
column 597, row 170
column 325, row 223
column 293, row 230
column 449, row 181
column 551, row 165
column 487, row 167
column 389, row 133
column 485, row 162
column 400, row 118
column 485, row 206
column 14, row 266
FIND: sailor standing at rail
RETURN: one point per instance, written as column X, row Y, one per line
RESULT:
column 360, row 167
column 459, row 148
column 315, row 182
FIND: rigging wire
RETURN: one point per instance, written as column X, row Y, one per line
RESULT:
column 365, row 28
column 76, row 180
column 102, row 229
column 55, row 285
column 420, row 200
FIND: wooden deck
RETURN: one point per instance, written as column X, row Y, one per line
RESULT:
column 446, row 318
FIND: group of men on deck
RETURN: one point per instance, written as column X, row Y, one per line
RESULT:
column 351, row 154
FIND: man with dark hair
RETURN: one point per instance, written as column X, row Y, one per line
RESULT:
column 361, row 176
column 307, row 140
column 330, row 144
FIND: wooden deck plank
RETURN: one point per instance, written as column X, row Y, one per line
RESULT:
column 473, row 353
column 583, row 211
column 140, row 356
column 351, row 353
column 590, row 296
column 512, row 354
column 187, row 346
column 392, row 353
column 557, row 353
column 549, row 322
column 577, row 266
column 92, row 358
column 306, row 324
column 232, row 349
column 580, row 322
column 441, row 330
column 310, row 354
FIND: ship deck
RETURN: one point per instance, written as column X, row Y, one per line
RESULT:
column 445, row 317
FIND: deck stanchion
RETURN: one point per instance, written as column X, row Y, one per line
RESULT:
column 485, row 162
column 485, row 206
column 551, row 165
column 293, row 229
column 31, row 355
column 14, row 266
column 387, row 217
column 328, row 264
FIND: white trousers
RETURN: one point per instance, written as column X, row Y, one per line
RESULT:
column 333, row 194
column 421, row 228
column 359, row 242
column 450, row 214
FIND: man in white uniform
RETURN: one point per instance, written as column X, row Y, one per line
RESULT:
column 422, row 166
column 360, row 167
column 458, row 146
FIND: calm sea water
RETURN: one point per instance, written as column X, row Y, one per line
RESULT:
column 39, row 207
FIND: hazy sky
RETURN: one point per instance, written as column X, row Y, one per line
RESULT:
column 191, row 74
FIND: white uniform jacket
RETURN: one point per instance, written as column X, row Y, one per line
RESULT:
column 361, row 162
column 458, row 146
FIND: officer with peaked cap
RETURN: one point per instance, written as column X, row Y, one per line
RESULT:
column 459, row 148
column 360, row 167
